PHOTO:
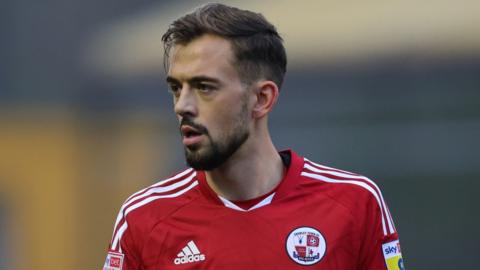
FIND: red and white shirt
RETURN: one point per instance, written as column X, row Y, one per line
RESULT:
column 317, row 218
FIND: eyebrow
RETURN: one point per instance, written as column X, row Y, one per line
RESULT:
column 193, row 80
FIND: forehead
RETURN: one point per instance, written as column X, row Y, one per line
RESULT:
column 208, row 55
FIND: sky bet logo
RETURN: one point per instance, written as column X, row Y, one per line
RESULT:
column 393, row 249
column 393, row 255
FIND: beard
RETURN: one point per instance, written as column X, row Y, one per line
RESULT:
column 216, row 153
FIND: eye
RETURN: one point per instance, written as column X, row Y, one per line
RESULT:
column 174, row 89
column 204, row 87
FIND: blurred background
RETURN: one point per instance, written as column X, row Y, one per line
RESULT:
column 388, row 89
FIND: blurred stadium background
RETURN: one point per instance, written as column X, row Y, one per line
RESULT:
column 389, row 89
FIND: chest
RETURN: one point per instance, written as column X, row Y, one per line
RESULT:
column 288, row 235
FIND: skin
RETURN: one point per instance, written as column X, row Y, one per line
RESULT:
column 207, row 89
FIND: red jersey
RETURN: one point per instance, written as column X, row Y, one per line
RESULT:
column 317, row 218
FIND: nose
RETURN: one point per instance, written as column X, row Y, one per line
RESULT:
column 185, row 103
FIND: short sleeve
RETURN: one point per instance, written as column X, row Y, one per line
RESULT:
column 122, row 253
column 380, row 248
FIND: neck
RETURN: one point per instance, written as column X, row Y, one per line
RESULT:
column 253, row 170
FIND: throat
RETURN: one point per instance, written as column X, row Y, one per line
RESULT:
column 245, row 177
column 247, row 204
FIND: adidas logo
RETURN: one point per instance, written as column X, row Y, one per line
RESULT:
column 189, row 254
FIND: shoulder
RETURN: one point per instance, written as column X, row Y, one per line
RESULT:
column 168, row 193
column 356, row 192
column 348, row 183
column 143, row 209
column 158, row 200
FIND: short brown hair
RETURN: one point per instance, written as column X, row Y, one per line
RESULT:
column 256, row 44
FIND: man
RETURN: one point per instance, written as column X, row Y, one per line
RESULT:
column 242, row 204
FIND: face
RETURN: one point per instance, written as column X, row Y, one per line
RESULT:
column 210, row 101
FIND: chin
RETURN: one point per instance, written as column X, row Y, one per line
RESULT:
column 203, row 160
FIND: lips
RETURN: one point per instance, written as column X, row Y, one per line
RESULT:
column 190, row 135
column 188, row 131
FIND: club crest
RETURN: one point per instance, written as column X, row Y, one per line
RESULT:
column 306, row 246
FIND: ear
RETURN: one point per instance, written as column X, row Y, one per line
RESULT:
column 266, row 97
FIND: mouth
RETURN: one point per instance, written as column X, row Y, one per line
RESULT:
column 190, row 135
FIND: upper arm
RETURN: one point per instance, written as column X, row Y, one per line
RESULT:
column 380, row 247
column 123, row 252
